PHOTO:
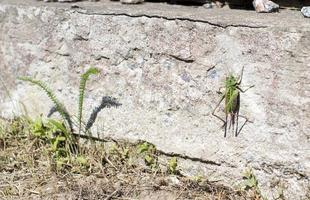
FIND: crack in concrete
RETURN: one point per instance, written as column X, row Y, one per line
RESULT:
column 195, row 159
column 186, row 60
column 57, row 53
column 264, row 166
column 169, row 19
column 80, row 38
column 169, row 154
column 183, row 156
column 101, row 57
column 274, row 168
column 182, row 59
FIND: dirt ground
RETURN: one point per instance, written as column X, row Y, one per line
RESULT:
column 111, row 170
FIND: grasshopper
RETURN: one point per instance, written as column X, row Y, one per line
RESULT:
column 232, row 103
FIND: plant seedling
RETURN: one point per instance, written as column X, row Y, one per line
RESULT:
column 232, row 103
column 172, row 165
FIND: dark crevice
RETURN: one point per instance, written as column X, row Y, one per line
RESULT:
column 101, row 57
column 182, row 59
column 169, row 19
column 269, row 168
column 80, row 38
column 209, row 69
column 171, row 154
column 57, row 53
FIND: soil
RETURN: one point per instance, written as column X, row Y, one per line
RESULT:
column 112, row 171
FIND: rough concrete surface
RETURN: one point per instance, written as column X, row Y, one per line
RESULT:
column 164, row 63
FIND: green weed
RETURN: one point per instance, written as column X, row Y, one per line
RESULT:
column 84, row 78
column 251, row 183
column 60, row 108
column 172, row 165
column 149, row 152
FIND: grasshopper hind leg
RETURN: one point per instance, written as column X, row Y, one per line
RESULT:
column 225, row 125
column 237, row 114
column 240, row 77
column 237, row 121
column 215, row 115
column 246, row 121
column 233, row 121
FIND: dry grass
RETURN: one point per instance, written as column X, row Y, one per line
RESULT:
column 114, row 170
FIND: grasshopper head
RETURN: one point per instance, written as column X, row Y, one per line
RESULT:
column 231, row 81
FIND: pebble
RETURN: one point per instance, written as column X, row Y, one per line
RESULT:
column 306, row 11
column 208, row 5
column 132, row 1
column 265, row 6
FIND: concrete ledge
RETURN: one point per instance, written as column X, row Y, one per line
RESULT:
column 165, row 65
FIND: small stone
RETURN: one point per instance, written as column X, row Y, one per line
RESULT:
column 132, row 1
column 219, row 3
column 67, row 0
column 208, row 5
column 265, row 6
column 174, row 180
column 306, row 11
column 63, row 1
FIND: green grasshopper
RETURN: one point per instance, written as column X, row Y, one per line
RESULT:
column 232, row 103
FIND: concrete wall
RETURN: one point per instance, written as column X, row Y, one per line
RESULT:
column 164, row 66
